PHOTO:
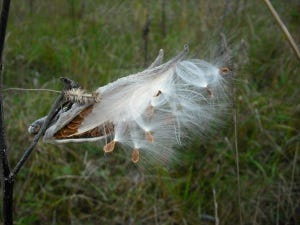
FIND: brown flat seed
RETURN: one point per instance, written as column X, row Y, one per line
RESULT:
column 77, row 120
column 149, row 136
column 86, row 111
column 224, row 70
column 72, row 126
column 109, row 147
column 158, row 93
column 210, row 93
column 67, row 132
column 95, row 132
column 58, row 135
column 135, row 155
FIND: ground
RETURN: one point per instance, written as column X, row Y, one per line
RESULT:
column 246, row 173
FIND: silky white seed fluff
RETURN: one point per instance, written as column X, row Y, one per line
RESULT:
column 185, row 99
column 161, row 108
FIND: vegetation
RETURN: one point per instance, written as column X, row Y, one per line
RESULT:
column 95, row 42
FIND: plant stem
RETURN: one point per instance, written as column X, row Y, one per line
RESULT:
column 145, row 33
column 283, row 28
column 67, row 84
column 7, row 184
column 8, row 188
column 37, row 137
column 3, row 23
column 163, row 19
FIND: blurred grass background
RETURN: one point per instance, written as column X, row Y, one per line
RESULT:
column 95, row 42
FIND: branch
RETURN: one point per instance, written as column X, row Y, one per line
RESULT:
column 7, row 185
column 38, row 136
column 68, row 84
column 3, row 150
column 3, row 23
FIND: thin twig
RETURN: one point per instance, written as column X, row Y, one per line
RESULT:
column 236, row 148
column 237, row 161
column 294, row 167
column 29, row 89
column 283, row 28
column 228, row 61
column 227, row 57
column 217, row 221
column 38, row 136
column 145, row 35
column 68, row 84
column 163, row 19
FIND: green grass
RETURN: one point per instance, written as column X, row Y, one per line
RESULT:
column 78, row 184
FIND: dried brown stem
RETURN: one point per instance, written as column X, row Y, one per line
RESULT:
column 283, row 28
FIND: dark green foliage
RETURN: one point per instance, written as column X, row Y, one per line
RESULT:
column 102, row 40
